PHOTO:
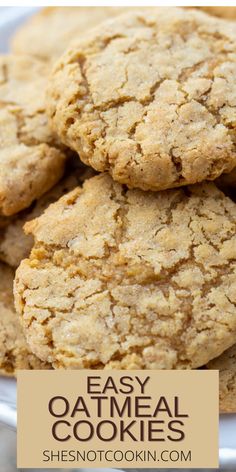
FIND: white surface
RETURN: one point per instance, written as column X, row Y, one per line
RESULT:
column 10, row 18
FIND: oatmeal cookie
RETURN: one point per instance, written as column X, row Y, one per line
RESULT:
column 14, row 351
column 229, row 13
column 226, row 364
column 15, row 245
column 30, row 163
column 150, row 98
column 48, row 33
column 128, row 279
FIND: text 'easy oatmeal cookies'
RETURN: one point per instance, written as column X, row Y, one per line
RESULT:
column 30, row 161
column 119, row 278
column 150, row 98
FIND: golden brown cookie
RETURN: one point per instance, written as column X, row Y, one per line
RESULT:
column 15, row 245
column 48, row 33
column 30, row 163
column 226, row 364
column 229, row 13
column 128, row 279
column 150, row 98
column 14, row 351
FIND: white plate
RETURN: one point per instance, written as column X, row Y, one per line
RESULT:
column 10, row 19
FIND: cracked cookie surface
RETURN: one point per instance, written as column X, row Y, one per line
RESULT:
column 128, row 279
column 150, row 98
column 14, row 351
column 15, row 245
column 48, row 33
column 30, row 163
column 226, row 364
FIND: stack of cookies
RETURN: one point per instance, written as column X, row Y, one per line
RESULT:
column 125, row 247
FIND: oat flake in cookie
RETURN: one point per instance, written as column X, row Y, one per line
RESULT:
column 129, row 279
column 30, row 163
column 150, row 98
column 14, row 351
column 226, row 364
